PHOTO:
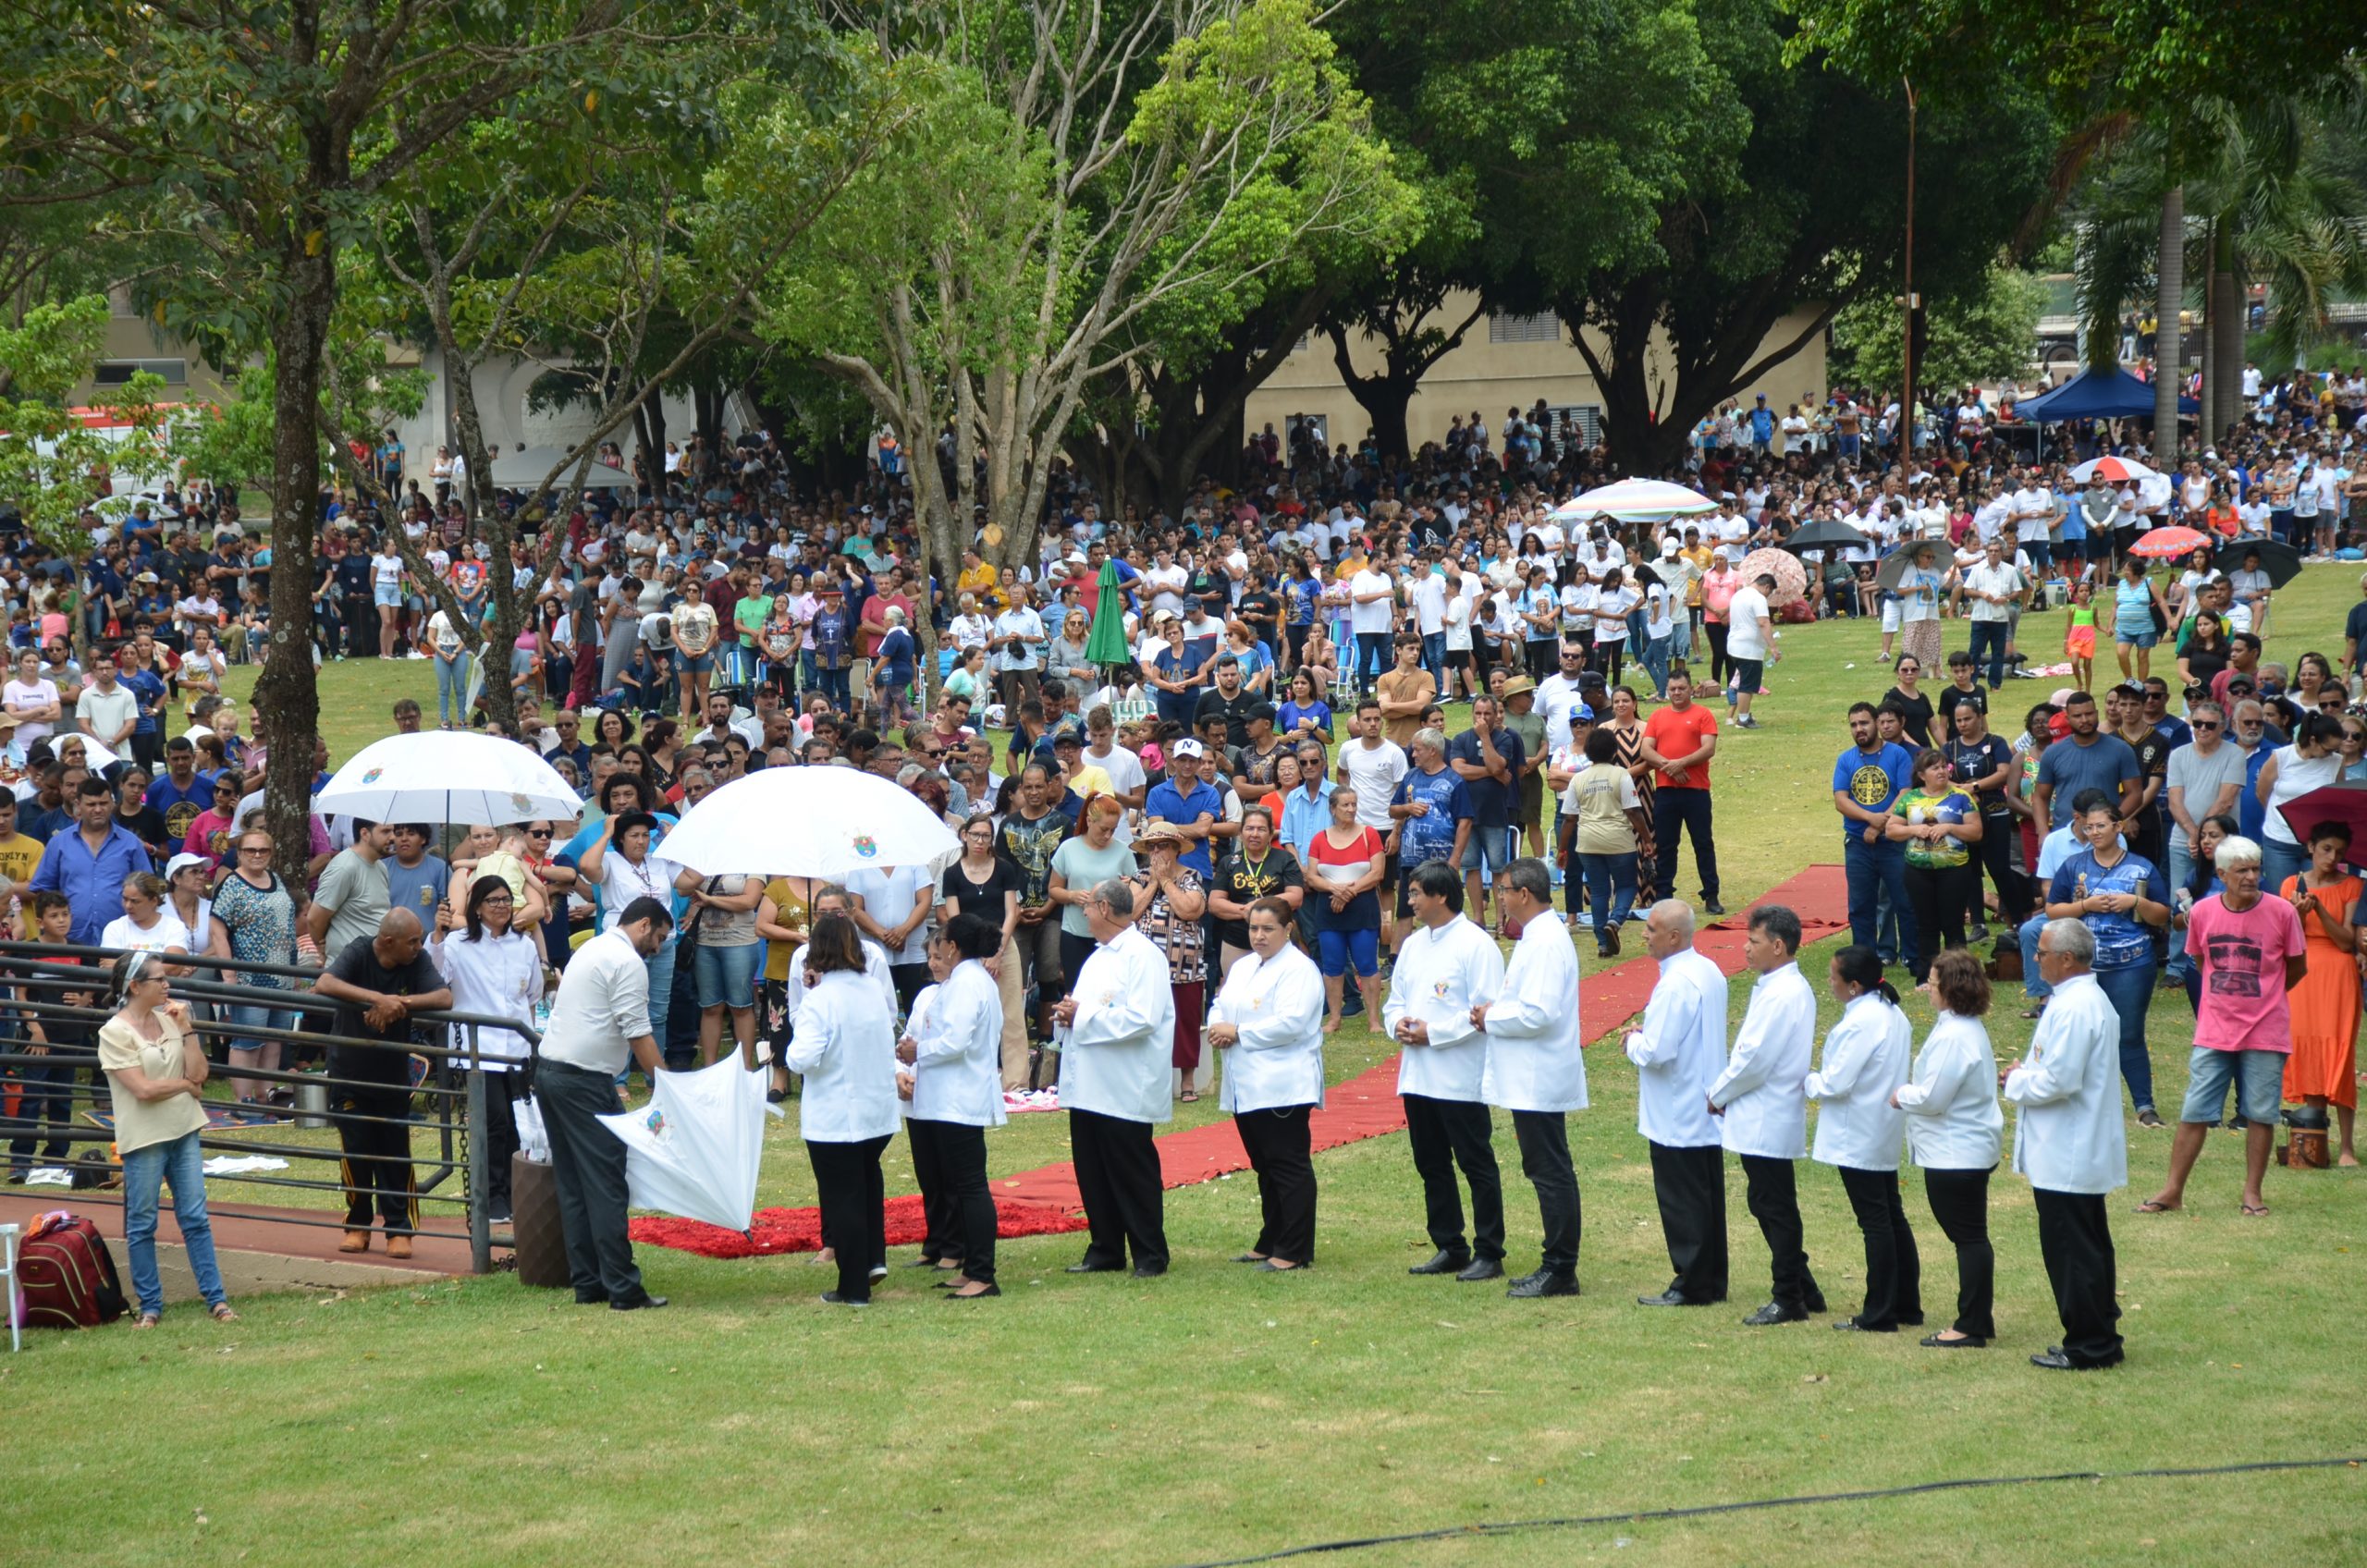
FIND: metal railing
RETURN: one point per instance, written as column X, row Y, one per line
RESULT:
column 453, row 1090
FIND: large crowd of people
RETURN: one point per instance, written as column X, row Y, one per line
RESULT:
column 1365, row 706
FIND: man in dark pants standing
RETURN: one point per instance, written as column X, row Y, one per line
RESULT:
column 1447, row 966
column 599, row 1022
column 1764, row 1109
column 1117, row 1040
column 1535, row 1066
column 377, row 985
column 1679, row 1049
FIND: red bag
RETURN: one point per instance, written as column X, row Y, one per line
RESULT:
column 66, row 1278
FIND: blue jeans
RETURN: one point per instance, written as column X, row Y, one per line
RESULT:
column 1680, row 642
column 2034, row 987
column 1887, row 915
column 2131, row 991
column 1874, row 870
column 451, row 687
column 1655, row 660
column 2181, row 868
column 243, row 1017
column 145, row 1172
column 1991, row 634
column 1434, row 660
column 834, row 687
column 1372, row 658
column 660, row 967
column 2279, row 861
column 1610, row 886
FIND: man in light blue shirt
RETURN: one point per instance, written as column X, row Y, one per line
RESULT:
column 1306, row 810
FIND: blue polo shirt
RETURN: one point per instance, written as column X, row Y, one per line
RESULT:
column 1872, row 779
column 1166, row 804
column 92, row 882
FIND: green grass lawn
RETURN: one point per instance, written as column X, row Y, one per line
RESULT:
column 1217, row 1413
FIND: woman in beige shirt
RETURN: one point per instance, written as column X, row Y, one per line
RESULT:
column 157, row 1069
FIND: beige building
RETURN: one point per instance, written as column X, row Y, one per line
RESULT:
column 1503, row 361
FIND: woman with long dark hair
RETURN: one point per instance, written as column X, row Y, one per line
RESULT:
column 492, row 968
column 845, row 1047
column 952, row 1055
column 1860, row 1133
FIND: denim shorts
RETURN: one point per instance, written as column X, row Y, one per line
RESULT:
column 2259, row 1077
column 1491, row 847
column 2138, row 639
column 727, row 976
column 701, row 664
column 388, row 598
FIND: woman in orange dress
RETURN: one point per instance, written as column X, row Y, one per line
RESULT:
column 2325, row 1004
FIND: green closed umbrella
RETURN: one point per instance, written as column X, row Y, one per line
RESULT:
column 1106, row 643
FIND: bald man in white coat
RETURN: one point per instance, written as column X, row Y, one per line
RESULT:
column 1534, row 1067
column 1117, row 1036
column 1269, row 1023
column 1679, row 1049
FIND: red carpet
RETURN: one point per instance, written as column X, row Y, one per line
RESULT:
column 1044, row 1201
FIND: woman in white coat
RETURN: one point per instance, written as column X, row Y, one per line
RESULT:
column 1955, row 1131
column 1861, row 1132
column 1268, row 1021
column 845, row 1046
column 953, row 1055
column 492, row 968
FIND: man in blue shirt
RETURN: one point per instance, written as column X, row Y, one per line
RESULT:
column 1432, row 810
column 1488, row 757
column 89, row 864
column 1867, row 779
column 181, row 793
column 1191, row 805
column 2085, row 759
column 1762, row 425
column 1306, row 810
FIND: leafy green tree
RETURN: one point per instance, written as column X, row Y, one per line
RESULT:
column 1988, row 335
column 54, row 467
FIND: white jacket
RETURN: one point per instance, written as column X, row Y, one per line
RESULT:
column 874, row 968
column 2068, row 1136
column 1953, row 1123
column 1116, row 1055
column 1865, row 1059
column 957, row 1062
column 845, row 1046
column 1766, row 1112
column 1441, row 976
column 1679, row 1049
column 1534, row 1062
column 1278, row 1005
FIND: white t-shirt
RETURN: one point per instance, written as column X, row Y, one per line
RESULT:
column 386, row 572
column 1427, row 594
column 1374, row 772
column 1743, row 640
column 41, row 692
column 1167, row 585
column 621, row 882
column 1379, row 614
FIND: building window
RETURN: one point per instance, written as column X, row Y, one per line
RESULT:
column 1503, row 328
column 1584, row 417
column 116, row 373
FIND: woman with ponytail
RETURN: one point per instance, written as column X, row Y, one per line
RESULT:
column 1861, row 1132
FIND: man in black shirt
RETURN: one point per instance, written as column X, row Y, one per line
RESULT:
column 377, row 985
column 2125, row 710
column 1984, row 763
column 1229, row 700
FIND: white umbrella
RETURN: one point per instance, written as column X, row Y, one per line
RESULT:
column 827, row 822
column 447, row 776
column 695, row 1147
column 1634, row 500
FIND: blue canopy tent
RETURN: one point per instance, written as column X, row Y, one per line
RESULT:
column 2112, row 394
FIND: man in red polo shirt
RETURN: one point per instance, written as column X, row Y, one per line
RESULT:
column 1679, row 741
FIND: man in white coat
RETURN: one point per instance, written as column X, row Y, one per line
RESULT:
column 1268, row 1021
column 2069, row 1142
column 1764, row 1107
column 1535, row 1069
column 1117, row 1036
column 1448, row 967
column 1679, row 1050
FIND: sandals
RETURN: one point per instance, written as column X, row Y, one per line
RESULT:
column 1190, row 1096
column 222, row 1312
column 2253, row 1211
column 2155, row 1206
column 147, row 1320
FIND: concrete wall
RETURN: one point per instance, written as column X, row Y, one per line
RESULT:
column 1503, row 363
column 501, row 389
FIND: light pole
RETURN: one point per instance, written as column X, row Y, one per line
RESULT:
column 1907, row 334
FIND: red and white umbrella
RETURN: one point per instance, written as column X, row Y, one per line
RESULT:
column 2112, row 471
column 2169, row 544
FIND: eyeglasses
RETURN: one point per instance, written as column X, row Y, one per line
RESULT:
column 2204, row 724
column 538, row 832
column 254, row 849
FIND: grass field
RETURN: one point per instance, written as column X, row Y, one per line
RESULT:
column 1218, row 1413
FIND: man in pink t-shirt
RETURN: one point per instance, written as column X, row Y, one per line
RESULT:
column 2250, row 951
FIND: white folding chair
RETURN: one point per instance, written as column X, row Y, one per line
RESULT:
column 9, row 1234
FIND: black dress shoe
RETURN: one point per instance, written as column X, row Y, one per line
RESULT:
column 1774, row 1311
column 1544, row 1282
column 1851, row 1326
column 1669, row 1298
column 1149, row 1270
column 1442, row 1262
column 878, row 1272
column 922, row 1263
column 1251, row 1257
column 975, row 1295
column 2054, row 1361
column 832, row 1298
column 1714, row 906
column 636, row 1304
column 1971, row 1341
column 1268, row 1266
column 1480, row 1269
column 1092, row 1267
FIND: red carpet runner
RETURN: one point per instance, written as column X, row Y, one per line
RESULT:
column 1045, row 1201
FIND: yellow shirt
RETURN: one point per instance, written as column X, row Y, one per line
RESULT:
column 980, row 582
column 1700, row 556
column 788, row 909
column 1089, row 781
column 141, row 1123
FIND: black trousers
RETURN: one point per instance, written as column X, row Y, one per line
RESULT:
column 1772, row 1193
column 588, row 1169
column 2076, row 1242
column 1117, row 1174
column 854, row 1199
column 377, row 1170
column 500, row 1140
column 1444, row 1134
column 1676, row 811
column 1544, row 1141
column 1894, row 1273
column 1995, row 854
column 1959, row 1201
column 1279, row 1143
column 1937, row 895
column 950, row 1160
column 1691, row 1187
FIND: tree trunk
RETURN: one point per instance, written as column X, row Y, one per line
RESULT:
column 288, row 697
column 501, row 634
column 2168, row 355
column 2227, row 352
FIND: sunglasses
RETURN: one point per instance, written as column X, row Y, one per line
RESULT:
column 538, row 833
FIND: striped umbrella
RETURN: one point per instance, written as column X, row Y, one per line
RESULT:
column 1634, row 500
column 2112, row 471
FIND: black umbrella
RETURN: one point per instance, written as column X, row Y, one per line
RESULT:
column 2282, row 562
column 1825, row 533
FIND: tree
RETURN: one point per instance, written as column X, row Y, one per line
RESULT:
column 53, row 464
column 1088, row 166
column 1987, row 335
